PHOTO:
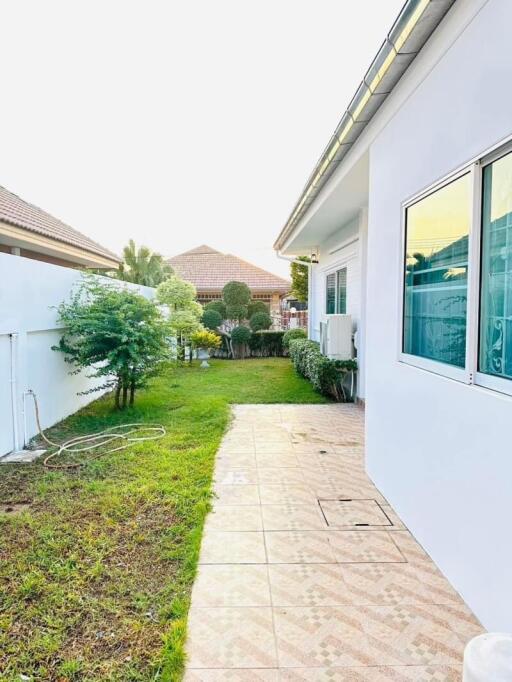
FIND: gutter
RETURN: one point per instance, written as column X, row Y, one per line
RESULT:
column 411, row 30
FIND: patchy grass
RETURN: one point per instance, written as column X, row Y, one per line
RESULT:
column 96, row 564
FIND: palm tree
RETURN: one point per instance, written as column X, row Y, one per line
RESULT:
column 143, row 266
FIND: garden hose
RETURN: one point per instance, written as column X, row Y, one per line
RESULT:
column 123, row 434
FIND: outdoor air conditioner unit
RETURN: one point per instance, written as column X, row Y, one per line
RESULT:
column 336, row 337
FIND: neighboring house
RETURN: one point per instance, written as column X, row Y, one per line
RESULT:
column 26, row 230
column 210, row 270
column 409, row 212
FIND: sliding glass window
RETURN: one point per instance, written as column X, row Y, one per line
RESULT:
column 495, row 347
column 436, row 274
column 336, row 292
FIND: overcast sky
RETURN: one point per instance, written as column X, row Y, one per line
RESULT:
column 177, row 123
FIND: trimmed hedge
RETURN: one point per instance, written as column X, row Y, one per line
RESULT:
column 292, row 334
column 266, row 344
column 326, row 375
column 260, row 321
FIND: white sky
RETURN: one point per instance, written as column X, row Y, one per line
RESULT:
column 178, row 123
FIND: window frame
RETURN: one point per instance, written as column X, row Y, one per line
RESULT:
column 333, row 270
column 469, row 374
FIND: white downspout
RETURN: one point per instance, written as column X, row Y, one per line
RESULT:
column 310, row 285
column 14, row 393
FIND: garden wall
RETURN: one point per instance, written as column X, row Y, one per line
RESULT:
column 29, row 293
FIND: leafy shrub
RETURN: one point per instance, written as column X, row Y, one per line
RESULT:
column 241, row 335
column 260, row 321
column 326, row 375
column 236, row 293
column 206, row 339
column 211, row 319
column 267, row 343
column 257, row 307
column 219, row 306
column 236, row 311
column 292, row 334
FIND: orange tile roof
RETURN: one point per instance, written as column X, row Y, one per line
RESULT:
column 16, row 211
column 210, row 270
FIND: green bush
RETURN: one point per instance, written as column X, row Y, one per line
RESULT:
column 236, row 311
column 265, row 344
column 241, row 335
column 236, row 293
column 260, row 321
column 257, row 307
column 219, row 306
column 292, row 334
column 211, row 319
column 326, row 375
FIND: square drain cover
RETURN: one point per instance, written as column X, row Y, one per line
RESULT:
column 354, row 513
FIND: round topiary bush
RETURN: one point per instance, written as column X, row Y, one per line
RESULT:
column 260, row 321
column 240, row 335
column 211, row 319
column 257, row 307
column 219, row 306
column 236, row 311
column 236, row 293
column 292, row 334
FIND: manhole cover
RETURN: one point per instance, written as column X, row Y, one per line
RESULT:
column 354, row 513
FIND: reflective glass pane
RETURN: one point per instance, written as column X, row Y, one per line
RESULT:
column 341, row 285
column 496, row 292
column 330, row 294
column 436, row 274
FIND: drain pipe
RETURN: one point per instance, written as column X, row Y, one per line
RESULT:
column 14, row 393
column 310, row 286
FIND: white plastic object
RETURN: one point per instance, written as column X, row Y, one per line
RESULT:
column 488, row 658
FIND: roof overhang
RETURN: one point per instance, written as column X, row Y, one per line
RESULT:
column 24, row 239
column 411, row 30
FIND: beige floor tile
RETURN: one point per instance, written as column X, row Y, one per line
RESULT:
column 242, row 476
column 308, row 585
column 299, row 547
column 284, row 494
column 372, row 636
column 234, row 517
column 273, row 447
column 231, row 638
column 353, row 513
column 233, row 675
column 273, row 459
column 293, row 517
column 235, row 460
column 231, row 585
column 280, row 475
column 362, row 547
column 235, row 494
column 220, row 547
column 431, row 673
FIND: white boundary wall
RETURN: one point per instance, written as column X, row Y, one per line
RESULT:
column 29, row 292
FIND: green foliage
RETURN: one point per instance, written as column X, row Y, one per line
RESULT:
column 267, row 343
column 178, row 294
column 260, row 321
column 219, row 306
column 299, row 276
column 143, row 266
column 184, row 323
column 236, row 311
column 326, row 375
column 205, row 339
column 236, row 293
column 257, row 307
column 116, row 333
column 241, row 335
column 292, row 334
column 211, row 319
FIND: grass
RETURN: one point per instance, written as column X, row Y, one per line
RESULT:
column 96, row 564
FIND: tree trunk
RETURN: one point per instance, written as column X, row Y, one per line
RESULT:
column 132, row 392
column 125, row 393
column 118, row 395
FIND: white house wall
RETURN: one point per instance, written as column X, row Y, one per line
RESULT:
column 29, row 292
column 439, row 449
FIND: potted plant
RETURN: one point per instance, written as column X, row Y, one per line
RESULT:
column 204, row 340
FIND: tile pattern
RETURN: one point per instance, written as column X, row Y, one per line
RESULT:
column 290, row 588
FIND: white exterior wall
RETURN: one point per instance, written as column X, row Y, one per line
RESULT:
column 28, row 291
column 441, row 450
column 344, row 248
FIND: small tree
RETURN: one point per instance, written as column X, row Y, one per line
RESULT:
column 240, row 337
column 260, row 321
column 116, row 333
column 219, row 306
column 143, row 266
column 299, row 275
column 184, row 311
column 236, row 296
column 211, row 319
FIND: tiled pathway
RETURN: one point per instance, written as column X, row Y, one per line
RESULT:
column 291, row 586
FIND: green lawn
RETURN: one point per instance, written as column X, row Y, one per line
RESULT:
column 96, row 570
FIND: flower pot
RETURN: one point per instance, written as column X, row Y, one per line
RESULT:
column 204, row 355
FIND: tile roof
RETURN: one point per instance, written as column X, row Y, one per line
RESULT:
column 210, row 270
column 16, row 211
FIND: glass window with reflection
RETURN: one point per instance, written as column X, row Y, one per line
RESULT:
column 436, row 274
column 330, row 294
column 495, row 356
column 341, row 291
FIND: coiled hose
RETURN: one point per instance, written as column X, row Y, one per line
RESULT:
column 124, row 434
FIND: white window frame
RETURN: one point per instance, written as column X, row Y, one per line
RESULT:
column 469, row 374
column 332, row 269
